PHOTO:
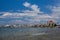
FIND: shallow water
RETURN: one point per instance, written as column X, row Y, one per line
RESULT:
column 23, row 31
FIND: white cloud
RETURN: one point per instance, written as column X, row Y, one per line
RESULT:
column 35, row 8
column 6, row 14
column 56, row 12
column 32, row 14
column 26, row 4
column 16, row 21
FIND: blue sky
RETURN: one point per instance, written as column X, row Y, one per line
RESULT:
column 29, row 11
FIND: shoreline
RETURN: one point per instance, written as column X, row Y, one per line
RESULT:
column 53, row 34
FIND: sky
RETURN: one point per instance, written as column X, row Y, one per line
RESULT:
column 29, row 11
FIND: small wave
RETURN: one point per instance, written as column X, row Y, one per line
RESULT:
column 38, row 34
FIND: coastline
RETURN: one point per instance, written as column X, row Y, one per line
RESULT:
column 53, row 34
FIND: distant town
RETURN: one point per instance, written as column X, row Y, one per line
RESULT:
column 49, row 24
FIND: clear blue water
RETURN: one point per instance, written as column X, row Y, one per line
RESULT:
column 22, row 31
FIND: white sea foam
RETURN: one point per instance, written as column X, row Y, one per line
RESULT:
column 38, row 34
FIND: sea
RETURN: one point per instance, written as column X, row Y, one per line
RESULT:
column 4, row 32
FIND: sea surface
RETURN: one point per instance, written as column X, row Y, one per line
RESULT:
column 29, row 33
column 24, row 31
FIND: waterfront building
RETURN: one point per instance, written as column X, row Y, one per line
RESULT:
column 51, row 24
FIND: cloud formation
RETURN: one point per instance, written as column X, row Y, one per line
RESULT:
column 32, row 16
column 56, row 12
column 26, row 4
